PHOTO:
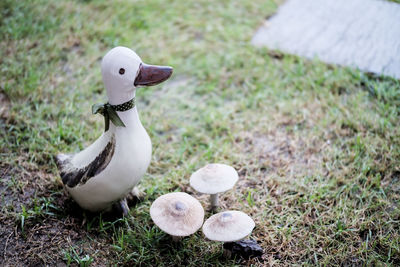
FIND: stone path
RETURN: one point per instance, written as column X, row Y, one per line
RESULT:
column 361, row 33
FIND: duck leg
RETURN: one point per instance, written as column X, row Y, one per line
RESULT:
column 132, row 198
column 124, row 207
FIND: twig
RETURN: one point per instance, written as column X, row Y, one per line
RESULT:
column 5, row 247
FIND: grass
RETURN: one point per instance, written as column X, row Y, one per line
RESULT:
column 317, row 146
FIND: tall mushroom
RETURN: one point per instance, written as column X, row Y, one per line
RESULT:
column 213, row 179
column 177, row 214
column 228, row 226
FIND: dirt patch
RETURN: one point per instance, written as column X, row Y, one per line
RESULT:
column 283, row 153
column 40, row 224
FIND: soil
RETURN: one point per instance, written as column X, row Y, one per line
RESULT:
column 53, row 223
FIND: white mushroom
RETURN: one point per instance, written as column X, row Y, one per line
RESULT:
column 177, row 214
column 228, row 226
column 213, row 179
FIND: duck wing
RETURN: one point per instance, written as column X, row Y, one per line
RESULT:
column 73, row 173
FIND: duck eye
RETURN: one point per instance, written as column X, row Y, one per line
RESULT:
column 121, row 71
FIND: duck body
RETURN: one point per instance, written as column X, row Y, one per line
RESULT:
column 107, row 170
column 129, row 162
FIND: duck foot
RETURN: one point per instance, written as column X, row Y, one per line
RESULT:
column 137, row 193
column 135, row 196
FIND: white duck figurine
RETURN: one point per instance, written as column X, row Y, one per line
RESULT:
column 109, row 169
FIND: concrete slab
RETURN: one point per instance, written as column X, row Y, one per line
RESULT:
column 360, row 33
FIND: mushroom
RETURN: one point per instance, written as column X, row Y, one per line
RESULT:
column 178, row 214
column 228, row 226
column 213, row 179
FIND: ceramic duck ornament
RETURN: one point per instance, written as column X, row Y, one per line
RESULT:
column 109, row 169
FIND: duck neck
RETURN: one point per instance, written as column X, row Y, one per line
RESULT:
column 129, row 117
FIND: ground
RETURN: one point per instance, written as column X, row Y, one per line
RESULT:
column 317, row 146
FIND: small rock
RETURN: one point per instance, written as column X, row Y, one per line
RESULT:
column 245, row 248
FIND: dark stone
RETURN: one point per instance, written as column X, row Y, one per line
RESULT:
column 245, row 248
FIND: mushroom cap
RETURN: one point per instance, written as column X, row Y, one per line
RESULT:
column 214, row 178
column 228, row 226
column 177, row 214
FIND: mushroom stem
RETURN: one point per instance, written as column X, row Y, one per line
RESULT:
column 214, row 200
column 176, row 238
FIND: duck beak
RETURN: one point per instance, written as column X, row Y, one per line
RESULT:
column 151, row 75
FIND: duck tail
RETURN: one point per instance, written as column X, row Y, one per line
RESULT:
column 61, row 159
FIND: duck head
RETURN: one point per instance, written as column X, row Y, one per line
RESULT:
column 123, row 71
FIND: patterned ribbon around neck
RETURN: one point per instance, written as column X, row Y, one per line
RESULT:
column 110, row 112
